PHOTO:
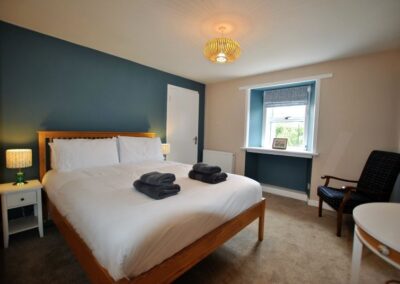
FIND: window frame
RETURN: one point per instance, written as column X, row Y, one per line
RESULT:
column 306, row 118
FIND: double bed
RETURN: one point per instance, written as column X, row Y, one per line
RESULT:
column 122, row 236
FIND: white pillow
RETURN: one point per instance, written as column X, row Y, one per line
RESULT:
column 139, row 149
column 72, row 154
column 53, row 158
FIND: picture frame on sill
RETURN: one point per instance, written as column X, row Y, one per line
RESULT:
column 279, row 143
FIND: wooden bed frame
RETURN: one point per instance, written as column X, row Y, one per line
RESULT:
column 169, row 269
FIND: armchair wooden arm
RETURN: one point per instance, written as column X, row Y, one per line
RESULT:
column 328, row 178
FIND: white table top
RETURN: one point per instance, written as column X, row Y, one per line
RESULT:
column 381, row 220
column 10, row 187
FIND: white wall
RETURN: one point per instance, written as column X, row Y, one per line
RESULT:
column 359, row 112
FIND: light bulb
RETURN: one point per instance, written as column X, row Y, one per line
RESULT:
column 221, row 57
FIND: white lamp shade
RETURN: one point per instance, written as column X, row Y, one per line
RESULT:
column 18, row 158
column 165, row 148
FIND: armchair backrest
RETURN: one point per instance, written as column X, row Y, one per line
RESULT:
column 379, row 175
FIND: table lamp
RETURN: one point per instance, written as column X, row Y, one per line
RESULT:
column 19, row 159
column 165, row 149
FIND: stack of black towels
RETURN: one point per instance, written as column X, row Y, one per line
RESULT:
column 157, row 185
column 206, row 173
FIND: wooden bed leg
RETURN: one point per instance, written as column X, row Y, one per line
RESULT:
column 261, row 222
column 320, row 207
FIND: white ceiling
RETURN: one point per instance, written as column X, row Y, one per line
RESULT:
column 170, row 34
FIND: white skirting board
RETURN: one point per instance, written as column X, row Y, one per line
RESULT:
column 284, row 192
column 223, row 159
column 293, row 194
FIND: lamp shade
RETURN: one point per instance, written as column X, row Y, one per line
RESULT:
column 222, row 50
column 18, row 158
column 165, row 148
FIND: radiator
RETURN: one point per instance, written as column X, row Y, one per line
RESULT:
column 223, row 159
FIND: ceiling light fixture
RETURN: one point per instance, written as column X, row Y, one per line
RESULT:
column 222, row 49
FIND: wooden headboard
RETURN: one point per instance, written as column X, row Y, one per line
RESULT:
column 47, row 136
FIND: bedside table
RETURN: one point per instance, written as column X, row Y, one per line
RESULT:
column 14, row 196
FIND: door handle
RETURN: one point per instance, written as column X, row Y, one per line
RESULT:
column 195, row 140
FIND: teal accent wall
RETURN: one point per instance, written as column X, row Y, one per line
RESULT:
column 256, row 118
column 51, row 84
column 284, row 171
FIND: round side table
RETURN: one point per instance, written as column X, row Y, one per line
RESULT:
column 377, row 227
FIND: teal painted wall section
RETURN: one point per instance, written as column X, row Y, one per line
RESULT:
column 51, row 84
column 289, row 172
column 284, row 171
column 256, row 118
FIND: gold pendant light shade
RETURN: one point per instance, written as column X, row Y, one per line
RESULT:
column 222, row 50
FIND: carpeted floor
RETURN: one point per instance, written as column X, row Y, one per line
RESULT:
column 298, row 247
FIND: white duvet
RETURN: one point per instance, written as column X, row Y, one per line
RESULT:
column 127, row 231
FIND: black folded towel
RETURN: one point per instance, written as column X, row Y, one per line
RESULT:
column 210, row 178
column 157, row 191
column 206, row 169
column 157, row 178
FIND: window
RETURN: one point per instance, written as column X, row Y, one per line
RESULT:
column 287, row 113
column 283, row 109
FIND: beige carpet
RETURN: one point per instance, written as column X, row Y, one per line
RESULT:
column 298, row 247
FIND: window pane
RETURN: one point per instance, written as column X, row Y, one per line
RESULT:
column 287, row 112
column 293, row 131
column 286, row 122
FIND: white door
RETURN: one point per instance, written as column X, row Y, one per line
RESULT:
column 182, row 124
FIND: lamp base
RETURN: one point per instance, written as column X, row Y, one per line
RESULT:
column 20, row 183
column 20, row 178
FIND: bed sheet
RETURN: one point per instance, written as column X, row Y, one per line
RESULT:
column 128, row 232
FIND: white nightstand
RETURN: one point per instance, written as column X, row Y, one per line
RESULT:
column 13, row 196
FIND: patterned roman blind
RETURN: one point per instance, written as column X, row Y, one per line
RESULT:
column 292, row 96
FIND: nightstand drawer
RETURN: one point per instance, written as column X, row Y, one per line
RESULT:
column 21, row 199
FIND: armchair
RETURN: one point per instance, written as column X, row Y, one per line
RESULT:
column 375, row 185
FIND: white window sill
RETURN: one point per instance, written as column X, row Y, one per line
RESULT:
column 291, row 153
